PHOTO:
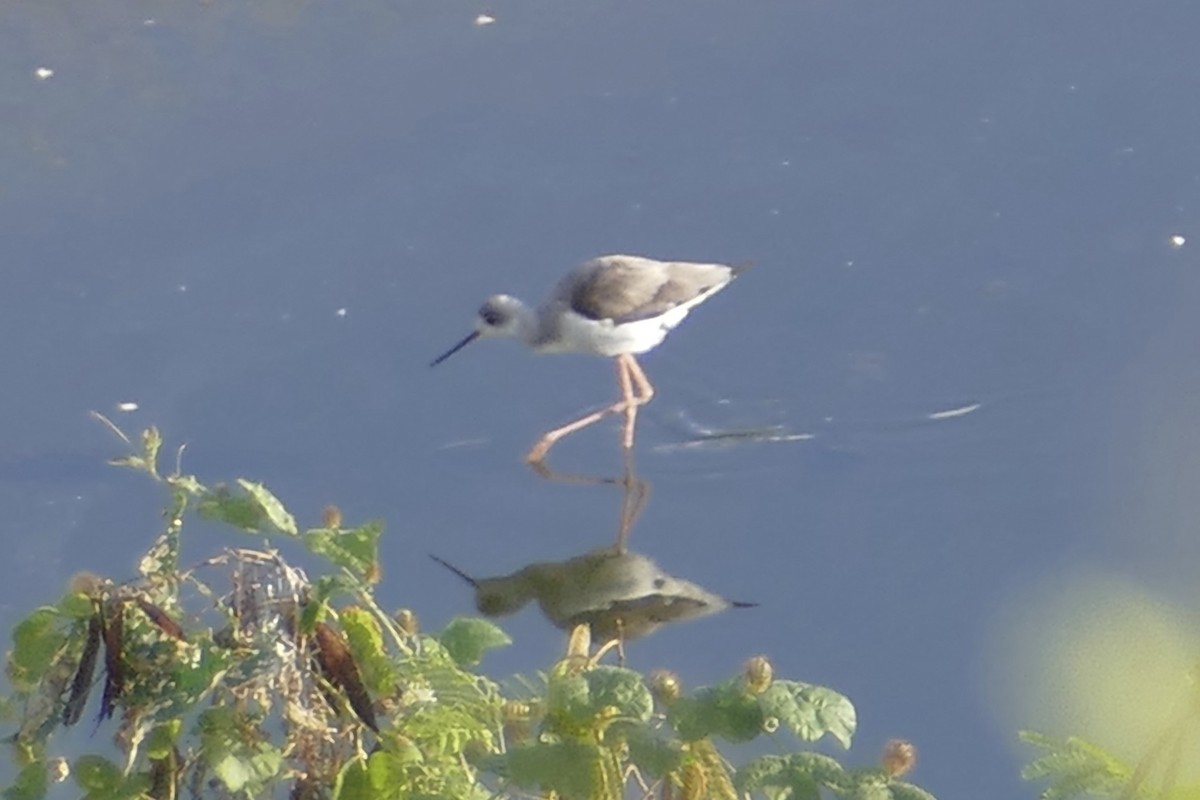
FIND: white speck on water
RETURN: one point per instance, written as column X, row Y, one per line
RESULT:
column 484, row 19
column 1178, row 241
column 341, row 312
column 951, row 413
column 43, row 73
column 479, row 442
column 127, row 406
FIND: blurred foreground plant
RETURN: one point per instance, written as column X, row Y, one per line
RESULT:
column 1078, row 768
column 240, row 676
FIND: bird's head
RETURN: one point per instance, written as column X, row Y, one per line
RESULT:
column 500, row 315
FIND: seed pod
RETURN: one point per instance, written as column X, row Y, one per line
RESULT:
column 114, row 661
column 81, row 684
column 337, row 663
column 406, row 618
column 85, row 582
column 161, row 619
column 164, row 777
column 899, row 757
column 665, row 686
column 579, row 643
column 758, row 674
column 331, row 517
column 695, row 782
column 517, row 719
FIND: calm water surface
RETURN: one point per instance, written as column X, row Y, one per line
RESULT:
column 259, row 226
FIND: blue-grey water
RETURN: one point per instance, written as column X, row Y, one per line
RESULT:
column 259, row 224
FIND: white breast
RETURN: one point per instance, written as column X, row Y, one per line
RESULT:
column 577, row 334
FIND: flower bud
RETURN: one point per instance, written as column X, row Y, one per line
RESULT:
column 899, row 757
column 665, row 686
column 758, row 674
column 331, row 517
column 406, row 618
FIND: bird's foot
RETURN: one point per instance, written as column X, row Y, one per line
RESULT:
column 537, row 453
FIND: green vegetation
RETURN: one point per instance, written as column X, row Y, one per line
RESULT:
column 241, row 676
column 1077, row 768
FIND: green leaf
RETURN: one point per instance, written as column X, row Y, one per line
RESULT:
column 726, row 710
column 357, row 550
column 466, row 639
column 31, row 783
column 810, row 711
column 97, row 774
column 353, row 783
column 319, row 595
column 620, row 688
column 762, row 772
column 569, row 768
column 186, row 486
column 389, row 769
column 906, row 791
column 76, row 605
column 247, row 769
column 1075, row 767
column 871, row 784
column 240, row 765
column 162, row 739
column 192, row 678
column 240, row 511
column 801, row 774
column 366, row 644
column 653, row 754
column 579, row 700
column 274, row 511
column 151, row 443
column 132, row 462
column 37, row 640
column 569, row 702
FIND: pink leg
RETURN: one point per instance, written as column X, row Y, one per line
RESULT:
column 635, row 391
column 543, row 445
column 643, row 383
column 631, row 375
column 625, row 380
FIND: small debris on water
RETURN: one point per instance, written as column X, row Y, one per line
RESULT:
column 951, row 413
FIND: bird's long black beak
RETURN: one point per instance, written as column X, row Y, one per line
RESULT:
column 447, row 564
column 472, row 336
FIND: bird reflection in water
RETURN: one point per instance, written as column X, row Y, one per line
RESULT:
column 617, row 593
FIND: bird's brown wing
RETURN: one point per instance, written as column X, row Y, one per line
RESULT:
column 631, row 288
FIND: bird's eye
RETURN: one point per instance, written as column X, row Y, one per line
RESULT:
column 491, row 316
